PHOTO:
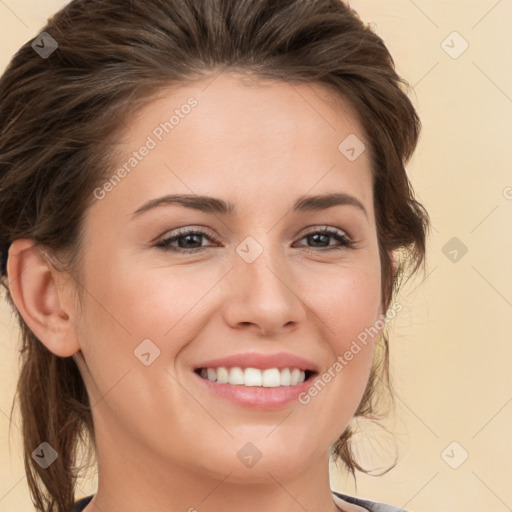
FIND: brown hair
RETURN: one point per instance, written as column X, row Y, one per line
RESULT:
column 58, row 117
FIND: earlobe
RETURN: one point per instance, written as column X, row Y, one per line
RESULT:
column 37, row 290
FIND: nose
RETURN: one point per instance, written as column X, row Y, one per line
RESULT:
column 264, row 295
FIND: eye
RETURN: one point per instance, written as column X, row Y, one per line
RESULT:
column 185, row 238
column 322, row 236
column 189, row 240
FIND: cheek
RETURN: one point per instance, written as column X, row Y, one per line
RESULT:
column 123, row 311
column 346, row 300
column 339, row 388
column 143, row 301
column 125, row 308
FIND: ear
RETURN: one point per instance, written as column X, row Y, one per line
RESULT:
column 42, row 295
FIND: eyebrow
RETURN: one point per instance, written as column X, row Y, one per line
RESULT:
column 208, row 204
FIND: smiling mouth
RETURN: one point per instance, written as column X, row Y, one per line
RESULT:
column 255, row 377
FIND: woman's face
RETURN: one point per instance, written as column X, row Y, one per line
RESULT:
column 157, row 309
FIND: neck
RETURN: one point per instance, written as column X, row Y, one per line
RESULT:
column 132, row 478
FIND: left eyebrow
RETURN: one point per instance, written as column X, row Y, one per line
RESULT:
column 324, row 201
column 209, row 204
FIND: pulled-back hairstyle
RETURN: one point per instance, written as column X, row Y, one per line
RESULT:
column 58, row 119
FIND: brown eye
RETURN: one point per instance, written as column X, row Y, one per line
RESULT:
column 323, row 236
column 185, row 239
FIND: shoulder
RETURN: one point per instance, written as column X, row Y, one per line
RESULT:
column 372, row 506
column 81, row 504
column 340, row 499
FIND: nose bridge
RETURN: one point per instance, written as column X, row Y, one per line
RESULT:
column 255, row 257
column 264, row 290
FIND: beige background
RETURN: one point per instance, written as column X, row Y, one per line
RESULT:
column 451, row 345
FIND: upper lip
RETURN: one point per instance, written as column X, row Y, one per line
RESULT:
column 262, row 361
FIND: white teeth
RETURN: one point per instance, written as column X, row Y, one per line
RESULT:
column 285, row 377
column 222, row 375
column 236, row 376
column 252, row 377
column 294, row 377
column 269, row 378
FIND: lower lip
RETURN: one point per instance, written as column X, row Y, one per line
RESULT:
column 257, row 397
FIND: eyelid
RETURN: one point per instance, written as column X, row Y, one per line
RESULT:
column 331, row 229
column 184, row 231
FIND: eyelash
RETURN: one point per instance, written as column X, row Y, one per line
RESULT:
column 343, row 239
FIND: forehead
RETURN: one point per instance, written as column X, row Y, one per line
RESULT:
column 232, row 138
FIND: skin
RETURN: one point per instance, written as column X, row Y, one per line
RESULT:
column 164, row 442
